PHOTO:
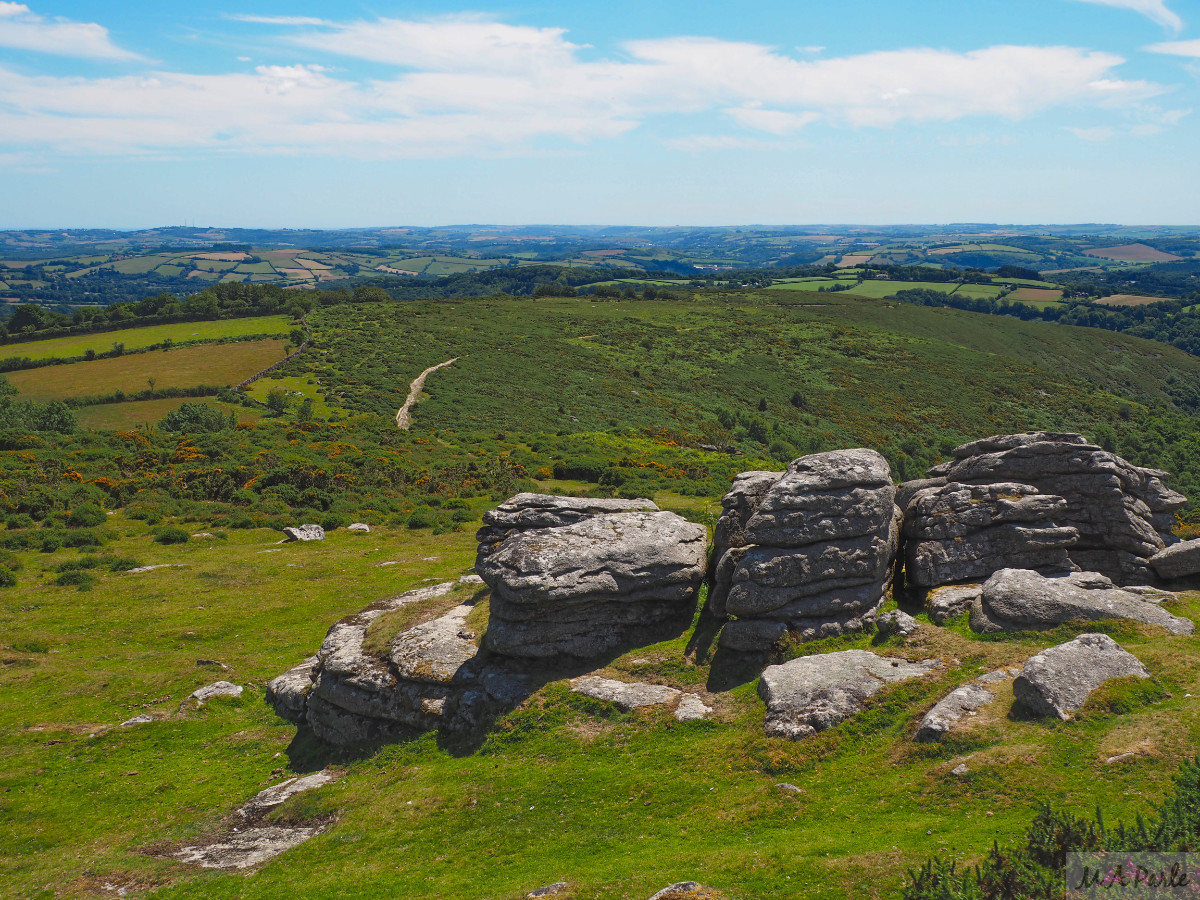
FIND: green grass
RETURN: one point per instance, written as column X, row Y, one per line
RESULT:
column 221, row 365
column 293, row 384
column 136, row 338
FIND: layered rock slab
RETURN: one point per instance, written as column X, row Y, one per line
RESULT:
column 1123, row 513
column 816, row 549
column 586, row 588
column 1017, row 599
column 1058, row 681
column 812, row 693
column 529, row 511
column 962, row 532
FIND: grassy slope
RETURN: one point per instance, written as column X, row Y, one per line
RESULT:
column 563, row 789
column 188, row 366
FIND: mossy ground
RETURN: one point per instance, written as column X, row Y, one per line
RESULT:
column 564, row 788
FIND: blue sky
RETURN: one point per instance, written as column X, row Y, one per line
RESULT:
column 310, row 114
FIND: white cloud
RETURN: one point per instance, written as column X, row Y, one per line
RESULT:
column 473, row 86
column 22, row 29
column 1155, row 10
column 704, row 143
column 773, row 121
column 1177, row 48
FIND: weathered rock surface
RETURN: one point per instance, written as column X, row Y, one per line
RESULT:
column 549, row 890
column 947, row 712
column 253, row 843
column 216, row 689
column 626, row 695
column 585, row 588
column 635, row 695
column 691, row 708
column 1180, row 560
column 1123, row 513
column 959, row 532
column 359, row 527
column 248, row 847
column 812, row 693
column 944, row 603
column 1015, row 599
column 348, row 695
column 1059, row 681
column 288, row 693
column 896, row 622
column 527, row 511
column 682, row 890
column 304, row 533
column 815, row 548
column 738, row 505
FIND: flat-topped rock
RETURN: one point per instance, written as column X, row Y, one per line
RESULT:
column 304, row 533
column 812, row 693
column 950, row 710
column 896, row 622
column 435, row 651
column 216, row 689
column 963, row 532
column 585, row 588
column 359, row 527
column 1014, row 599
column 626, row 695
column 1059, row 681
column 1180, row 560
column 529, row 511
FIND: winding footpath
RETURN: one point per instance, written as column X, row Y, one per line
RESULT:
column 403, row 414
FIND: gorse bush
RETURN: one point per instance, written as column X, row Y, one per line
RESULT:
column 7, row 578
column 86, row 515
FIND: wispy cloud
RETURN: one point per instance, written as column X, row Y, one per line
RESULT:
column 1177, row 48
column 467, row 85
column 22, row 29
column 1155, row 10
column 1096, row 135
column 279, row 20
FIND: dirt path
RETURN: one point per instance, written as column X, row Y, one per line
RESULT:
column 403, row 415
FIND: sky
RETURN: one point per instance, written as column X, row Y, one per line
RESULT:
column 311, row 114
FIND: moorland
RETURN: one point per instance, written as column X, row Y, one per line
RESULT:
column 601, row 382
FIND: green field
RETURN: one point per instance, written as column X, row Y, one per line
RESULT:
column 293, row 384
column 224, row 364
column 131, row 414
column 136, row 338
column 885, row 287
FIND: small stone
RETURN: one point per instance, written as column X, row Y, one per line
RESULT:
column 961, row 701
column 212, row 662
column 680, row 890
column 359, row 528
column 691, row 708
column 960, row 769
column 549, row 890
column 470, row 578
column 216, row 689
column 304, row 533
column 788, row 788
column 202, row 536
column 897, row 622
column 141, row 719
